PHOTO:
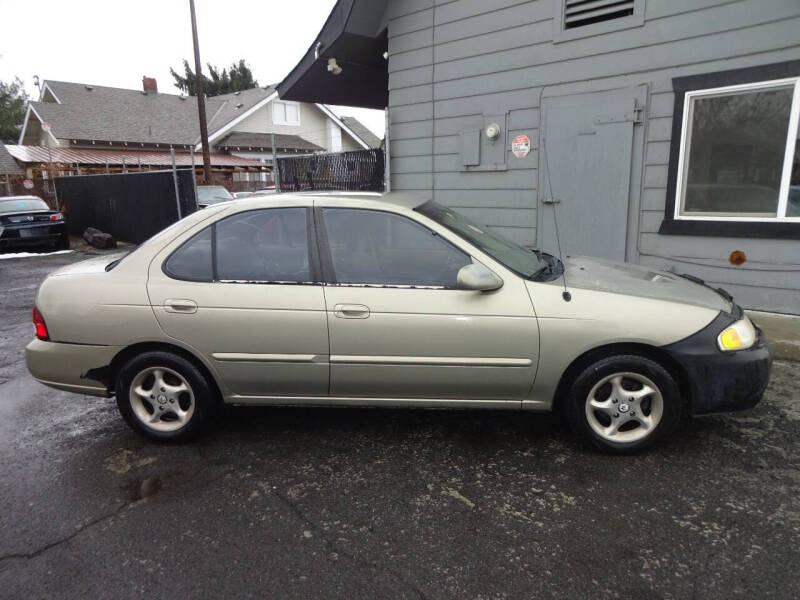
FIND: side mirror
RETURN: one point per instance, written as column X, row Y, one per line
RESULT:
column 477, row 277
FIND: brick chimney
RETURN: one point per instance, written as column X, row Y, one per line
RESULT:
column 149, row 85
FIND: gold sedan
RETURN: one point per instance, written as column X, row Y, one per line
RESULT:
column 368, row 300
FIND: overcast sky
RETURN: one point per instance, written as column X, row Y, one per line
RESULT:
column 115, row 43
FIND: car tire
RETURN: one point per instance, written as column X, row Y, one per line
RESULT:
column 63, row 242
column 165, row 397
column 623, row 404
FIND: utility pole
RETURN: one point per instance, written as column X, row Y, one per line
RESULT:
column 52, row 177
column 201, row 101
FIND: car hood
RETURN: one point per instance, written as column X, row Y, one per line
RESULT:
column 633, row 280
column 92, row 265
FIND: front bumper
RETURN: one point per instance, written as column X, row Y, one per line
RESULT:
column 65, row 366
column 723, row 381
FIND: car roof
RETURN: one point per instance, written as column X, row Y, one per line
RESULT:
column 398, row 199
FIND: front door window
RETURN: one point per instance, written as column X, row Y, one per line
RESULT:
column 377, row 248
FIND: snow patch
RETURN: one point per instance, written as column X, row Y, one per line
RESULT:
column 28, row 254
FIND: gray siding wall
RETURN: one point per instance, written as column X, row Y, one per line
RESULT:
column 453, row 61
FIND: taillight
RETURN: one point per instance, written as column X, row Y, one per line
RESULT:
column 56, row 217
column 41, row 327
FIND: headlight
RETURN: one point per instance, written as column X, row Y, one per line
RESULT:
column 738, row 336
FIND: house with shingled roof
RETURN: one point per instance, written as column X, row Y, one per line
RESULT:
column 92, row 128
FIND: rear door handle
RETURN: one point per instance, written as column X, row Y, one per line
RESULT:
column 180, row 305
column 351, row 311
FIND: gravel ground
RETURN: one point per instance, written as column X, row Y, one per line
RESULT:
column 359, row 503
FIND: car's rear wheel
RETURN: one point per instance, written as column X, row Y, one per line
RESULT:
column 164, row 396
column 62, row 243
column 623, row 403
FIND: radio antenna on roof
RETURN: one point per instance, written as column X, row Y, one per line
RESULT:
column 552, row 200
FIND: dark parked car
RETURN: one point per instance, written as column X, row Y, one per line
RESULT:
column 28, row 221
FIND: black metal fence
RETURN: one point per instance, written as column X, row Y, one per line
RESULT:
column 131, row 206
column 360, row 170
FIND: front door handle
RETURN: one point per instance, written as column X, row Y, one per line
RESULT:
column 351, row 311
column 180, row 305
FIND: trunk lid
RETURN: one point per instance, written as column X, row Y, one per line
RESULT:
column 30, row 216
column 93, row 265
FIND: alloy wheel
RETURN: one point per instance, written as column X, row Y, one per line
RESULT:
column 624, row 407
column 161, row 399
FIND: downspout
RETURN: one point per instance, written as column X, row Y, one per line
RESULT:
column 433, row 102
column 387, row 159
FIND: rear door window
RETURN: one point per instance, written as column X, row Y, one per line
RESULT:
column 265, row 246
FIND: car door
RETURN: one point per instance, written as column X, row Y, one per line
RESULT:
column 398, row 326
column 246, row 294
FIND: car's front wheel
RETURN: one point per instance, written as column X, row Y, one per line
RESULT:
column 164, row 396
column 623, row 403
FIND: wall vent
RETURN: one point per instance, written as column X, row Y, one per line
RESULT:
column 578, row 13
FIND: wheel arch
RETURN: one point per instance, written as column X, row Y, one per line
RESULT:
column 108, row 374
column 654, row 353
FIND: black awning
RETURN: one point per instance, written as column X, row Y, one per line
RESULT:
column 351, row 35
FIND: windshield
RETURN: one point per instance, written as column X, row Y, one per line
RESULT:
column 512, row 255
column 22, row 205
column 212, row 194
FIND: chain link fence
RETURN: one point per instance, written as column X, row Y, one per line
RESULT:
column 360, row 170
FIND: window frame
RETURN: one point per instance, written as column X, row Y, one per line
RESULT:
column 788, row 151
column 329, row 273
column 314, row 265
column 709, row 84
column 285, row 121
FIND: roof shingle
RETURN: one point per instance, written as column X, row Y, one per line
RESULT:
column 95, row 112
column 242, row 139
column 108, row 114
column 372, row 140
column 71, row 156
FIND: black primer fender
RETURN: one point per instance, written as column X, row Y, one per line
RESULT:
column 722, row 381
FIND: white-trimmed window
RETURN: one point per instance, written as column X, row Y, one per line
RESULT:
column 285, row 112
column 739, row 153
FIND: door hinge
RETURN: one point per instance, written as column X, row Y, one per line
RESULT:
column 634, row 116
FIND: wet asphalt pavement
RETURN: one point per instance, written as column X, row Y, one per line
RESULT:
column 361, row 503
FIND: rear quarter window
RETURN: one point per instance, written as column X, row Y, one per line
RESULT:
column 192, row 261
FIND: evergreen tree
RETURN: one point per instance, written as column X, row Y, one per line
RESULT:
column 235, row 78
column 12, row 110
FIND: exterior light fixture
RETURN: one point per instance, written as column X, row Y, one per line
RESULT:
column 333, row 68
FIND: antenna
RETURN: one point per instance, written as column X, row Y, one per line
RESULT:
column 552, row 200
